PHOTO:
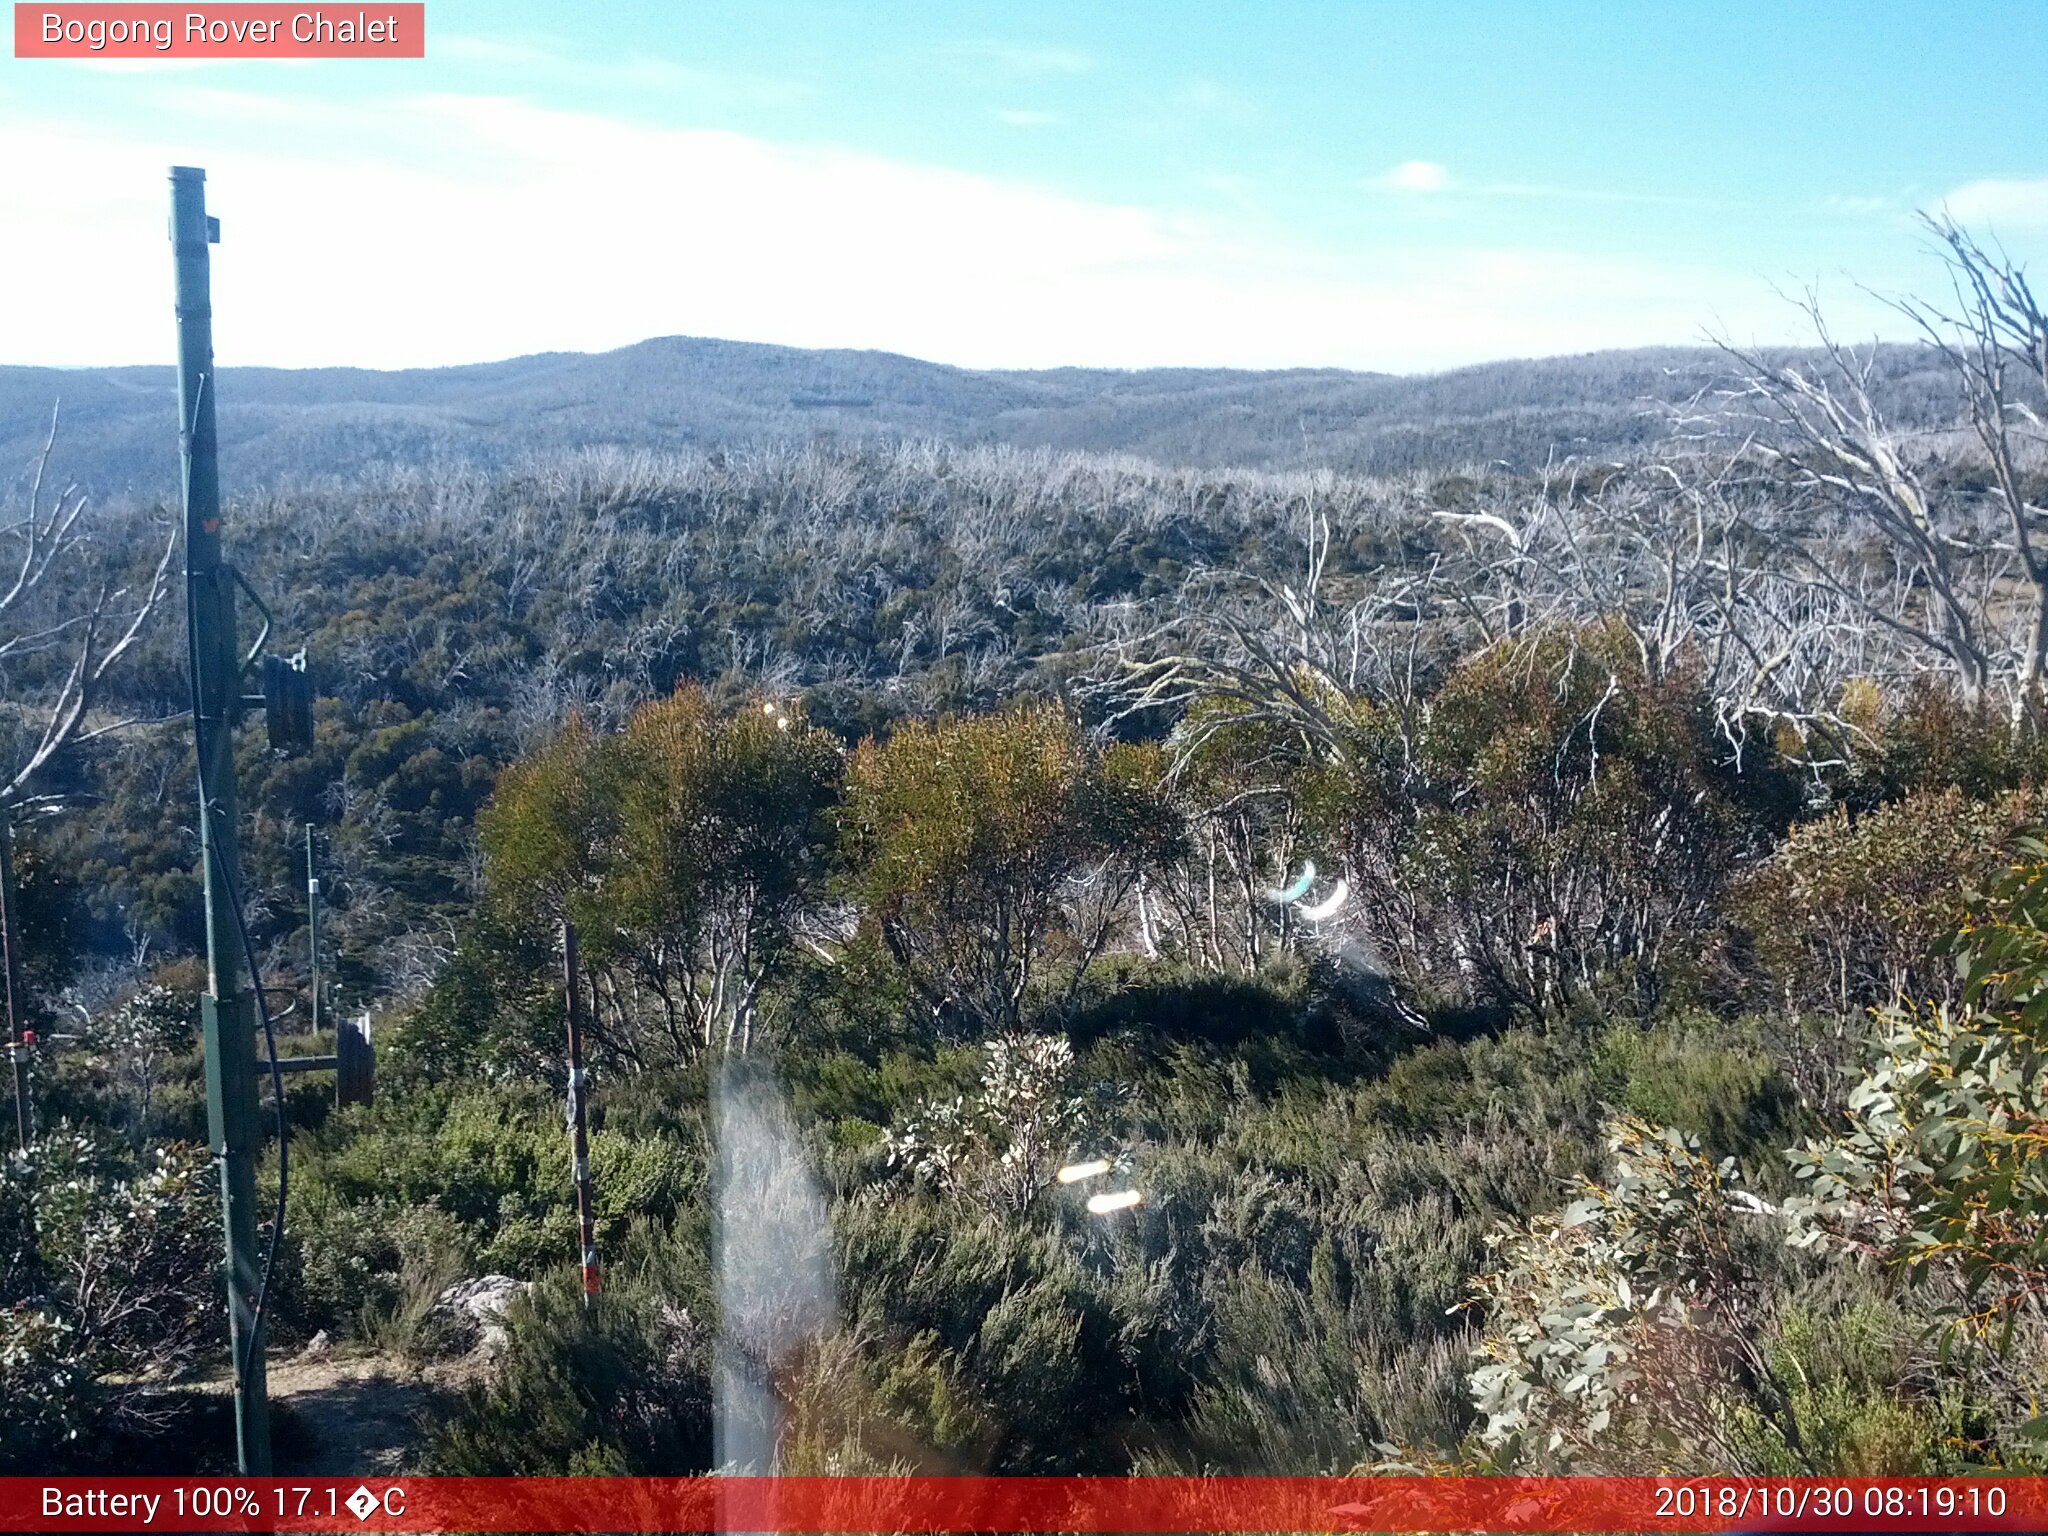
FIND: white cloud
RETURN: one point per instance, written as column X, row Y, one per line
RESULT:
column 2001, row 203
column 1416, row 176
column 499, row 51
column 1429, row 176
column 447, row 228
column 1019, row 58
column 545, row 58
column 1858, row 205
column 1213, row 100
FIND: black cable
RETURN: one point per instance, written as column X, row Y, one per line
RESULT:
column 256, row 1315
column 253, row 1351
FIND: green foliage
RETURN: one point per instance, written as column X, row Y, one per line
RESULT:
column 1315, row 1380
column 1700, row 1077
column 107, row 1266
column 49, row 916
column 1944, row 1162
column 1031, row 1360
column 125, row 1244
column 1933, row 739
column 1246, row 791
column 134, row 1060
column 1032, row 1112
column 477, row 1181
column 1560, row 826
column 984, row 848
column 842, row 1087
column 624, row 1391
column 1847, row 1365
column 1618, row 1331
column 50, row 1380
column 494, row 1012
column 686, row 848
column 921, row 1388
column 1849, row 912
column 372, row 1268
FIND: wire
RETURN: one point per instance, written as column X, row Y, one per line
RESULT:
column 254, row 1349
column 256, row 1316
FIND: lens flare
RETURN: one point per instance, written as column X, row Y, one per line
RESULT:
column 1329, row 905
column 1120, row 1200
column 1297, row 890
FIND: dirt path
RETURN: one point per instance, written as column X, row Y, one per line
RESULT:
column 346, row 1415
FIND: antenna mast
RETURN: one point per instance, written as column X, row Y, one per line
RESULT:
column 227, row 1012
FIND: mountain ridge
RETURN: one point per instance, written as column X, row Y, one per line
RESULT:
column 118, row 430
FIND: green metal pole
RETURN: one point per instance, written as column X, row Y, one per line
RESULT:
column 10, row 963
column 313, row 929
column 227, row 1013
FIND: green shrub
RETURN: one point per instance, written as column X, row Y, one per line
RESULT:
column 1311, row 1380
column 1933, row 740
column 495, row 1163
column 49, row 1381
column 625, row 1390
column 983, row 848
column 1942, row 1166
column 1617, row 1331
column 1852, row 1365
column 1558, row 822
column 127, row 1244
column 108, row 1265
column 686, row 847
column 1701, row 1077
column 1003, row 1143
column 1027, row 1339
column 1849, row 912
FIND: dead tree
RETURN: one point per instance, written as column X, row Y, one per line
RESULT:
column 1995, row 341
column 1819, row 425
column 67, row 599
column 1284, row 655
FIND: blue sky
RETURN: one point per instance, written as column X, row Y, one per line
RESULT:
column 1367, row 185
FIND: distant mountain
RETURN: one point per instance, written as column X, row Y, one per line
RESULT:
column 120, row 432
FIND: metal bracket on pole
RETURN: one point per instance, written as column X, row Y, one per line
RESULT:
column 355, row 1062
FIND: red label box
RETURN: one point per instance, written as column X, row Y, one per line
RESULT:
column 233, row 31
column 816, row 1506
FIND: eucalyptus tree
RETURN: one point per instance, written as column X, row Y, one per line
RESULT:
column 986, row 851
column 689, row 848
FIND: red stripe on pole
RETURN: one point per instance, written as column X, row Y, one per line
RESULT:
column 997, row 1504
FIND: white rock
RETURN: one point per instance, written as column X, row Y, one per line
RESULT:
column 477, row 1307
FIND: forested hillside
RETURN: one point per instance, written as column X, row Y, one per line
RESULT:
column 679, row 392
column 1555, row 950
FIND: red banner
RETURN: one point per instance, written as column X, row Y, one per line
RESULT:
column 1020, row 1504
column 235, row 31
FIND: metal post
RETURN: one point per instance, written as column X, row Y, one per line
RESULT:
column 579, row 1141
column 313, row 927
column 10, row 963
column 15, row 1051
column 227, row 1012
